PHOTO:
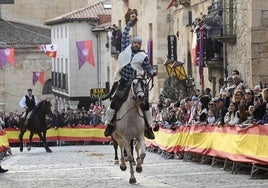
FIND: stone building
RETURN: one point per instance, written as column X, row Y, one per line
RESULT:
column 153, row 25
column 15, row 80
column 22, row 27
column 73, row 85
column 238, row 26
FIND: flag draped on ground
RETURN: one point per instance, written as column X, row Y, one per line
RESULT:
column 85, row 53
column 38, row 76
column 7, row 55
column 49, row 49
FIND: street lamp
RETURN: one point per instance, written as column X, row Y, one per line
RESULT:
column 175, row 68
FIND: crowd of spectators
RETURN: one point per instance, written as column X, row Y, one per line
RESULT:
column 234, row 105
column 65, row 117
column 94, row 116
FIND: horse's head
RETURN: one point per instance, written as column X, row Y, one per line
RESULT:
column 139, row 88
column 45, row 107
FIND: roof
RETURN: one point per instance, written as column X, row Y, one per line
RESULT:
column 20, row 35
column 88, row 13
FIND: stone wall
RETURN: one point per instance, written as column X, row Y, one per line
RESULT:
column 14, row 81
column 249, row 54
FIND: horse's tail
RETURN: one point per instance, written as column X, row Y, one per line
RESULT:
column 110, row 94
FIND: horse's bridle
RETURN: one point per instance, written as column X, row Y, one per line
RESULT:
column 143, row 84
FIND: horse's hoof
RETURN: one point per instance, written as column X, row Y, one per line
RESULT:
column 132, row 180
column 116, row 162
column 28, row 148
column 21, row 149
column 123, row 168
column 49, row 151
column 134, row 163
column 139, row 169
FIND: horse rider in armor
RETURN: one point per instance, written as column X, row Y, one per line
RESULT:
column 28, row 102
column 131, row 59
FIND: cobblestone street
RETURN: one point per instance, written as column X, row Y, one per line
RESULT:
column 93, row 166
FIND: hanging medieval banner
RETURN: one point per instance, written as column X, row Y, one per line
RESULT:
column 172, row 47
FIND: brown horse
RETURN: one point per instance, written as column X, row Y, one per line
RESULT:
column 37, row 124
column 129, row 125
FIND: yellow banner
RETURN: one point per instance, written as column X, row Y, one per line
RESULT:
column 79, row 133
column 4, row 144
column 245, row 145
column 13, row 135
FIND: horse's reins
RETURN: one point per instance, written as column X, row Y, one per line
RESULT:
column 151, row 80
column 136, row 106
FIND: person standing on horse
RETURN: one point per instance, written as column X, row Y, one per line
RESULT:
column 131, row 60
column 28, row 102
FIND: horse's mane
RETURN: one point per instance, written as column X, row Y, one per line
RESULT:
column 39, row 105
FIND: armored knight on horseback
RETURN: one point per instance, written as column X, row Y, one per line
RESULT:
column 132, row 60
column 28, row 102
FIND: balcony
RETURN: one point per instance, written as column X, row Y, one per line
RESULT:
column 221, row 21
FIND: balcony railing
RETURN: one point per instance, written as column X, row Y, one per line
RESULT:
column 222, row 21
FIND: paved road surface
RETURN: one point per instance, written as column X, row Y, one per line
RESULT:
column 93, row 166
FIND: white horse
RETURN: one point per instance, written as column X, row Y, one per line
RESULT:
column 130, row 124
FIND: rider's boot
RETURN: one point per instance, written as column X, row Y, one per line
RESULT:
column 148, row 132
column 2, row 170
column 109, row 117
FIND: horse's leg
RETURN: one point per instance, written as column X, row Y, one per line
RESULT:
column 115, row 144
column 132, row 149
column 45, row 142
column 21, row 139
column 137, row 149
column 30, row 141
column 123, row 166
column 43, row 138
column 140, row 146
column 132, row 178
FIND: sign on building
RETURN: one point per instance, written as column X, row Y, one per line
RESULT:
column 172, row 47
column 97, row 93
